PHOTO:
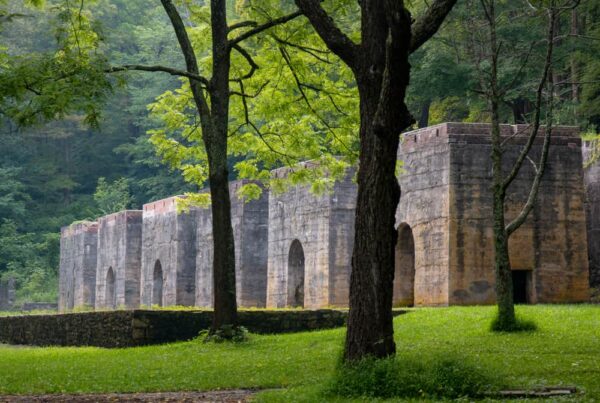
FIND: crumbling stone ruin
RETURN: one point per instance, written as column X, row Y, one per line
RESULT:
column 294, row 249
column 7, row 294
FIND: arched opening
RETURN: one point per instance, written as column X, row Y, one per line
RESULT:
column 157, row 284
column 109, row 296
column 296, row 275
column 404, row 274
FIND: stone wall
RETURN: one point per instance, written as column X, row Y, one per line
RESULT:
column 250, row 231
column 423, row 211
column 168, row 254
column 7, row 294
column 77, row 271
column 592, row 187
column 119, row 260
column 139, row 327
column 310, row 246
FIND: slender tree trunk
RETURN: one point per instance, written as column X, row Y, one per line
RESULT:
column 225, row 304
column 424, row 117
column 503, row 273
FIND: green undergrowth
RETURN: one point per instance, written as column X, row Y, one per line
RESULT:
column 442, row 353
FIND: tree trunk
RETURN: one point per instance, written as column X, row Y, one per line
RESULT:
column 383, row 116
column 424, row 117
column 225, row 304
column 370, row 328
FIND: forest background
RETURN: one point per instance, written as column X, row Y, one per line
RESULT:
column 54, row 174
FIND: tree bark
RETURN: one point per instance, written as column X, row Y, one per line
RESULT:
column 381, row 68
column 225, row 304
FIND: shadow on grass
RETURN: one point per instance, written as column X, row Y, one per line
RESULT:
column 519, row 325
column 439, row 377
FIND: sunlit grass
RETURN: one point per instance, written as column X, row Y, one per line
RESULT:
column 564, row 350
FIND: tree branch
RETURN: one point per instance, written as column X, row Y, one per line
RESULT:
column 263, row 27
column 333, row 37
column 538, row 105
column 249, row 59
column 520, row 219
column 189, row 55
column 169, row 70
column 426, row 26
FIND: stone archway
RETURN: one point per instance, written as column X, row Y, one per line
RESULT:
column 404, row 275
column 157, row 284
column 295, row 275
column 109, row 292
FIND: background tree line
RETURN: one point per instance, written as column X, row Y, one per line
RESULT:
column 50, row 174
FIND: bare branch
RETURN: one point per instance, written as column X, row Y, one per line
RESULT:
column 189, row 55
column 164, row 69
column 263, row 27
column 538, row 105
column 426, row 26
column 333, row 37
column 249, row 59
column 242, row 24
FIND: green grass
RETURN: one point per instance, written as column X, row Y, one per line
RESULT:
column 564, row 350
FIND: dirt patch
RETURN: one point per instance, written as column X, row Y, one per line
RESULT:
column 221, row 396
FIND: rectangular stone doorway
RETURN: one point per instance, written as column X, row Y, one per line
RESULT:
column 521, row 285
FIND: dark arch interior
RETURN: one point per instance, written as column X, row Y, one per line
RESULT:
column 109, row 297
column 157, row 284
column 296, row 275
column 404, row 274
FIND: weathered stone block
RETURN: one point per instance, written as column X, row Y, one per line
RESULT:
column 168, row 254
column 310, row 246
column 250, row 231
column 77, row 272
column 119, row 260
column 446, row 212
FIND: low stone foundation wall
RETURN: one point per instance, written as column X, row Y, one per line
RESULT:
column 144, row 327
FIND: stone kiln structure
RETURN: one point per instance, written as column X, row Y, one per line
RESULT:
column 119, row 260
column 77, row 273
column 250, row 222
column 168, row 254
column 294, row 249
column 445, row 247
column 310, row 246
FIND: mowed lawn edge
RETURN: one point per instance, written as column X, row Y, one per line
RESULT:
column 565, row 350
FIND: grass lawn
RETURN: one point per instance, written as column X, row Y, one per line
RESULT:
column 565, row 350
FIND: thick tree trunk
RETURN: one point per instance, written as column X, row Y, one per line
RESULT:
column 383, row 116
column 370, row 328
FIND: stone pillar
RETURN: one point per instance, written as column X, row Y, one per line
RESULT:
column 120, row 252
column 321, row 230
column 77, row 271
column 169, row 248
